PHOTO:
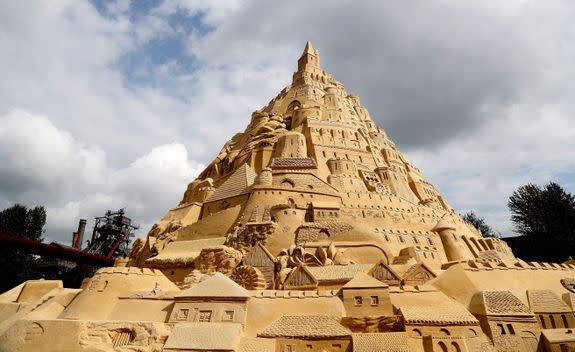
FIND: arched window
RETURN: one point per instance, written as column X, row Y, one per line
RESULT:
column 455, row 347
column 445, row 332
column 293, row 106
column 442, row 346
column 288, row 183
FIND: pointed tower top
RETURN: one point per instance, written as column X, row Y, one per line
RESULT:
column 309, row 58
column 309, row 48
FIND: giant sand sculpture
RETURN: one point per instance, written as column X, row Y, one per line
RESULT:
column 310, row 231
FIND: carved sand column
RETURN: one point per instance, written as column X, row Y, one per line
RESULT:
column 455, row 248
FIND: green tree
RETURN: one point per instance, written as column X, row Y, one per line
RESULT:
column 480, row 224
column 15, row 266
column 543, row 212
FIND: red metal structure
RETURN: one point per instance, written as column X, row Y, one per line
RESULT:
column 54, row 250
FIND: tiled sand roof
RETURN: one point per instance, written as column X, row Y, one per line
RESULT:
column 237, row 184
column 295, row 163
column 256, row 344
column 204, row 336
column 503, row 303
column 380, row 342
column 443, row 314
column 180, row 253
column 310, row 326
column 546, row 301
column 218, row 285
column 338, row 272
column 363, row 280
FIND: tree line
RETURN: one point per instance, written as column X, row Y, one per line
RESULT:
column 17, row 266
column 543, row 217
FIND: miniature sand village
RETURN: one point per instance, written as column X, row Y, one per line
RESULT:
column 310, row 231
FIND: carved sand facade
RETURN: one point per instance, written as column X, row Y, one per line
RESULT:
column 310, row 231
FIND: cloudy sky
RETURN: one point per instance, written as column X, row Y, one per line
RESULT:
column 109, row 104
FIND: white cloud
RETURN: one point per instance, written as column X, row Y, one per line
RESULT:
column 36, row 157
column 43, row 165
column 530, row 145
column 62, row 59
column 214, row 12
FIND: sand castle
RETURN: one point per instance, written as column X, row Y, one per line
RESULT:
column 310, row 231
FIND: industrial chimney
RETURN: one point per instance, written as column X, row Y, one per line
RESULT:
column 79, row 235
